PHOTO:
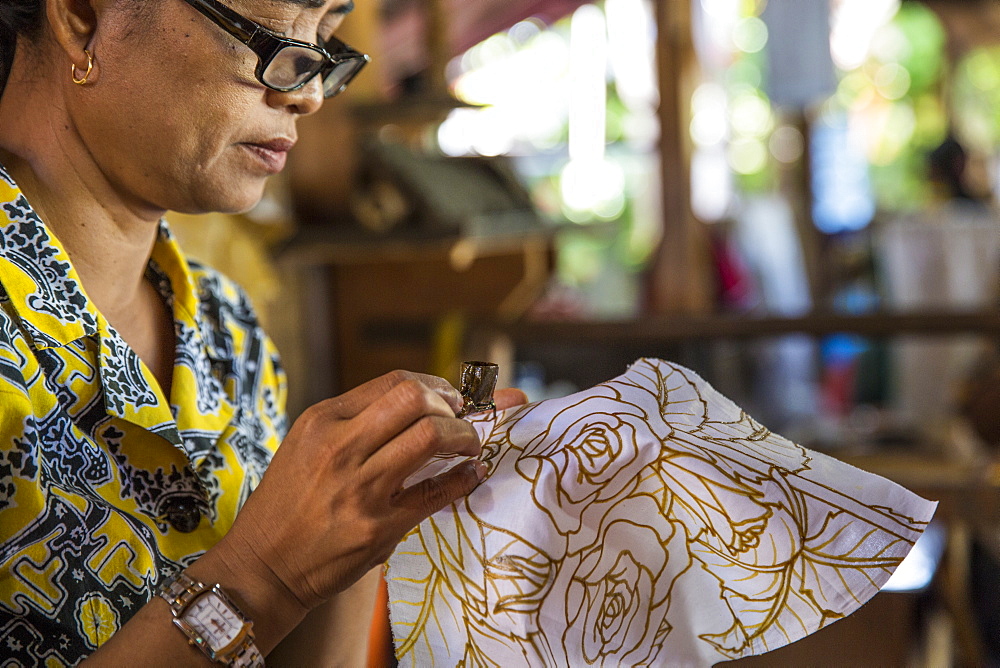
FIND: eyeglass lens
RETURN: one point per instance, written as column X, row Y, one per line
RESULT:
column 294, row 65
column 291, row 66
column 341, row 74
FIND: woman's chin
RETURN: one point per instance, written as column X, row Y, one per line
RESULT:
column 230, row 198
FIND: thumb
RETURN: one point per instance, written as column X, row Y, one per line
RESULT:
column 509, row 397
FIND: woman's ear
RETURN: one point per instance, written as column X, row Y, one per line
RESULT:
column 73, row 23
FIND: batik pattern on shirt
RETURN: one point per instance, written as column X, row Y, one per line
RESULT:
column 647, row 521
column 93, row 455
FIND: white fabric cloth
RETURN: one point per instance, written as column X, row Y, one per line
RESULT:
column 645, row 521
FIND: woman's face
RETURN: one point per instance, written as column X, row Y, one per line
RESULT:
column 175, row 118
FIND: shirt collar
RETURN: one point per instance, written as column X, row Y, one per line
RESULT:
column 46, row 293
column 178, row 284
column 45, row 289
column 38, row 277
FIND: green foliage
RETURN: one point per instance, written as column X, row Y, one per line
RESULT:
column 924, row 42
column 977, row 97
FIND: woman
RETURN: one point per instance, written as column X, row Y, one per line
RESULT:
column 139, row 401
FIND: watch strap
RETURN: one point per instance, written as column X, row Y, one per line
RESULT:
column 246, row 654
column 180, row 591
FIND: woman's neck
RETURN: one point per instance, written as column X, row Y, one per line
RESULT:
column 108, row 232
column 108, row 250
column 108, row 239
column 110, row 254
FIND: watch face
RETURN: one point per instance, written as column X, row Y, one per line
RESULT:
column 217, row 622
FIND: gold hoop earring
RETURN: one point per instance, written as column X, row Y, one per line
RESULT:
column 86, row 75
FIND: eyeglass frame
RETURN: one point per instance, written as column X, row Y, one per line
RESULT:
column 266, row 44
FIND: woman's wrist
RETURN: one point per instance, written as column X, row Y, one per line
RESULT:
column 256, row 590
column 150, row 637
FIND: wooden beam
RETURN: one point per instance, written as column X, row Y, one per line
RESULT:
column 692, row 328
column 438, row 49
column 798, row 188
column 679, row 280
column 321, row 170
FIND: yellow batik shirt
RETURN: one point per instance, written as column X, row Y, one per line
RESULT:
column 106, row 486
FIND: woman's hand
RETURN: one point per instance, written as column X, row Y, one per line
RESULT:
column 332, row 506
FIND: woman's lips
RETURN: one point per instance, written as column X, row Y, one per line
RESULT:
column 271, row 154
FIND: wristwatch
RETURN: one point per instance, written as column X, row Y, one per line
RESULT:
column 211, row 621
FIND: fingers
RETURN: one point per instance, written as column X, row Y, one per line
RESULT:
column 406, row 453
column 346, row 460
column 390, row 415
column 418, row 502
column 352, row 403
column 442, row 387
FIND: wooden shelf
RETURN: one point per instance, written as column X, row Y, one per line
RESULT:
column 416, row 109
column 685, row 328
column 318, row 248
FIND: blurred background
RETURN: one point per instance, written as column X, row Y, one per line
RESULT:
column 795, row 198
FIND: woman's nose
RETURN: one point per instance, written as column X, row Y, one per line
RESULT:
column 303, row 101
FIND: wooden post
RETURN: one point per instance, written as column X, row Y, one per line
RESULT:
column 321, row 169
column 679, row 280
column 799, row 190
column 438, row 52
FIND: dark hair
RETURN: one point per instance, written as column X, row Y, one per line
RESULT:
column 17, row 17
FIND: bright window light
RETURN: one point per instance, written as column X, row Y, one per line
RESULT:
column 918, row 568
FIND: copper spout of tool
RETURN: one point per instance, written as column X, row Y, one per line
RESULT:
column 479, row 379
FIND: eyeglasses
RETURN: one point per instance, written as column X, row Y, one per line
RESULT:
column 286, row 64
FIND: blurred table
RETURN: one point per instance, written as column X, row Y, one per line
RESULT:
column 364, row 307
